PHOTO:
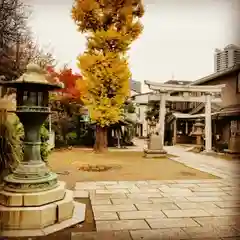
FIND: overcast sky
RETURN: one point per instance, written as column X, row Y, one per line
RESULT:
column 179, row 36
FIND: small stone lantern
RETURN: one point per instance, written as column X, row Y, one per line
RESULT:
column 198, row 132
column 152, row 125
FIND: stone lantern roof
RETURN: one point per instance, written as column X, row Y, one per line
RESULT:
column 35, row 77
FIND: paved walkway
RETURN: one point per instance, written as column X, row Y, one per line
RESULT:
column 170, row 209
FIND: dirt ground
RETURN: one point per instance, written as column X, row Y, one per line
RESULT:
column 125, row 166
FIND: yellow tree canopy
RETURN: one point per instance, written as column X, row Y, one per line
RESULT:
column 107, row 84
column 111, row 26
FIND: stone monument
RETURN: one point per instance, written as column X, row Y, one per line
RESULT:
column 155, row 147
column 33, row 202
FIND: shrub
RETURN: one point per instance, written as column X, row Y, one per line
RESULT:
column 11, row 151
column 45, row 151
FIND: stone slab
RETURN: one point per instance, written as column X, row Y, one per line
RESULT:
column 121, row 185
column 175, row 190
column 205, row 199
column 130, row 201
column 218, row 221
column 143, row 190
column 111, row 191
column 210, row 194
column 141, row 214
column 108, row 196
column 185, row 213
column 228, row 204
column 201, row 189
column 105, row 216
column 156, row 206
column 204, row 232
column 172, row 223
column 196, row 205
column 182, row 185
column 118, row 235
column 169, row 199
column 101, row 202
column 144, row 195
column 121, row 225
column 114, row 208
column 178, row 194
column 224, row 212
column 157, row 234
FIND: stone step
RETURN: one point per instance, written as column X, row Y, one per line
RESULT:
column 37, row 217
column 77, row 217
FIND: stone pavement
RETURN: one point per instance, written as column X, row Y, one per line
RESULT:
column 170, row 209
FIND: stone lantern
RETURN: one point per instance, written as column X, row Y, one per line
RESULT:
column 152, row 125
column 32, row 197
column 198, row 132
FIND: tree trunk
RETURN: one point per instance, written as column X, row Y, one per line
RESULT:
column 101, row 139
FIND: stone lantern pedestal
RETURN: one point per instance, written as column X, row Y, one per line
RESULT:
column 155, row 146
column 33, row 202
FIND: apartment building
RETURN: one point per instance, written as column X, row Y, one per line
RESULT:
column 226, row 58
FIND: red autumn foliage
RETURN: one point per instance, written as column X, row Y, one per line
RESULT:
column 73, row 83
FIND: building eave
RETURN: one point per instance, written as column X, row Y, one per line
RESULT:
column 216, row 75
column 141, row 94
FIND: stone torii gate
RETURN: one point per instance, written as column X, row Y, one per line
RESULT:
column 209, row 94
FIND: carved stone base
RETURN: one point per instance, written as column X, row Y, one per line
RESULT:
column 37, row 211
column 77, row 217
column 30, row 178
column 148, row 153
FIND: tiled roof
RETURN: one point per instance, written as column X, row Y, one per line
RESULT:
column 178, row 82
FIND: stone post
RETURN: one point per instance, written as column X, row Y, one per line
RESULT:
column 174, row 131
column 186, row 127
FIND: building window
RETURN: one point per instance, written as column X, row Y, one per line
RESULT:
column 238, row 82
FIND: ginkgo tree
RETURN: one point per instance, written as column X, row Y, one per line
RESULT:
column 110, row 26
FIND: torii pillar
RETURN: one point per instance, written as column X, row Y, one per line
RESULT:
column 208, row 124
column 162, row 113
